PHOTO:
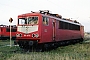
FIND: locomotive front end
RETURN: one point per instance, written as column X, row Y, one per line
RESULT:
column 28, row 33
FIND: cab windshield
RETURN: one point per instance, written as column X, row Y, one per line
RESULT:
column 30, row 20
column 22, row 21
column 33, row 20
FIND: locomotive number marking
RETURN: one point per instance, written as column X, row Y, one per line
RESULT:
column 26, row 35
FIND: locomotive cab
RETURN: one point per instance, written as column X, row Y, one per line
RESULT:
column 28, row 29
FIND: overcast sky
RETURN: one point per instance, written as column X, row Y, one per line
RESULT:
column 75, row 9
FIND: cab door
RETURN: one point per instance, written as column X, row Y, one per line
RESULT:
column 0, row 32
column 54, row 29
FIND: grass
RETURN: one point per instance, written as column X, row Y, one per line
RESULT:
column 6, row 42
column 80, row 51
column 5, row 50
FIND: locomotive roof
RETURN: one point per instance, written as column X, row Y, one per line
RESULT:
column 68, row 21
column 58, row 17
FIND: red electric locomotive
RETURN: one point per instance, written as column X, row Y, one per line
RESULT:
column 5, row 32
column 43, row 30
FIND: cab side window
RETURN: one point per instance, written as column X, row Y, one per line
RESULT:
column 45, row 21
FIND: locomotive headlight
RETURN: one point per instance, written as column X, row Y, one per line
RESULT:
column 17, row 35
column 20, row 35
column 36, row 35
column 33, row 35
